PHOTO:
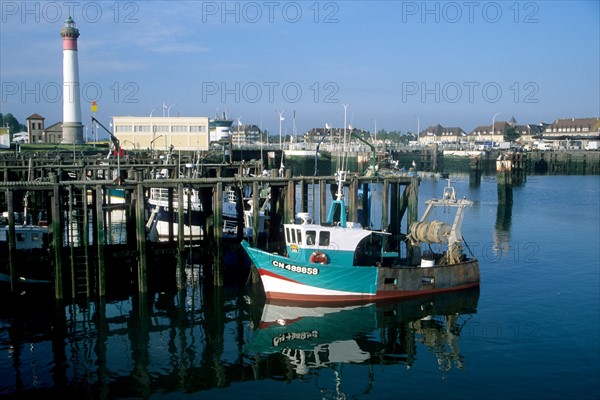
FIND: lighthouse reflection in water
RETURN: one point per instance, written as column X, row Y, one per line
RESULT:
column 389, row 333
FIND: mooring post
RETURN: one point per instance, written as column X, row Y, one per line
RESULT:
column 322, row 200
column 141, row 235
column 413, row 202
column 290, row 204
column 384, row 206
column 394, row 211
column 100, row 241
column 255, row 213
column 475, row 171
column 56, row 238
column 504, row 177
column 303, row 187
column 180, row 218
column 170, row 212
column 218, row 228
column 12, row 241
column 353, row 201
column 180, row 233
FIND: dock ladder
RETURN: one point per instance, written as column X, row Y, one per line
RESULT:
column 78, row 241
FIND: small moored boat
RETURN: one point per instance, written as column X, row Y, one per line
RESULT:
column 341, row 261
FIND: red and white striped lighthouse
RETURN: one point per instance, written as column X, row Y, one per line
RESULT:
column 71, row 124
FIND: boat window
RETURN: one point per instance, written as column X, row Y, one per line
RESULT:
column 310, row 238
column 324, row 238
column 299, row 236
column 293, row 240
column 20, row 237
column 287, row 235
column 35, row 237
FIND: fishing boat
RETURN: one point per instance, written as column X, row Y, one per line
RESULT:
column 195, row 216
column 31, row 243
column 27, row 236
column 230, row 211
column 341, row 261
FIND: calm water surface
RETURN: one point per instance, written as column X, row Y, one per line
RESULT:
column 530, row 332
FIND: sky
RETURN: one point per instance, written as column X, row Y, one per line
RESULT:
column 394, row 65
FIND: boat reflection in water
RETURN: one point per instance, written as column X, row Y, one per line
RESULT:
column 312, row 337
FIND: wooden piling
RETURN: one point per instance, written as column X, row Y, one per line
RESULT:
column 12, row 242
column 218, row 279
column 141, row 237
column 255, row 213
column 504, row 178
column 57, row 239
column 101, row 275
column 322, row 200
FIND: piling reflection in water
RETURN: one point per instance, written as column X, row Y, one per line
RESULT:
column 204, row 337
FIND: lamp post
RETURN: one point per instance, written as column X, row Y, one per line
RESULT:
column 493, row 122
column 345, row 111
column 418, row 127
column 375, row 136
column 169, row 109
column 281, row 118
column 152, row 144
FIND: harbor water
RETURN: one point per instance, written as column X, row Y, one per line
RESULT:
column 530, row 332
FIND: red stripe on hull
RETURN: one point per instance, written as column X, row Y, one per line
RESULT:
column 264, row 272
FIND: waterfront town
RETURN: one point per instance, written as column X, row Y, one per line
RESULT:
column 196, row 134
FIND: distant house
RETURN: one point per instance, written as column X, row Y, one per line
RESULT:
column 35, row 128
column 487, row 133
column 573, row 127
column 439, row 134
column 53, row 133
column 246, row 135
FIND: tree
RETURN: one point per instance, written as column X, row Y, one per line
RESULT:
column 8, row 120
column 511, row 134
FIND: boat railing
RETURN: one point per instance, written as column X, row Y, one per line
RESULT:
column 162, row 194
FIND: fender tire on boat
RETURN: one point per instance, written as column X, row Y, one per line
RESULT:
column 318, row 257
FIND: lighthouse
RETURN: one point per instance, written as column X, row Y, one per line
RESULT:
column 72, row 129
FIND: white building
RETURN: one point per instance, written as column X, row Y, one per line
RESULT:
column 160, row 133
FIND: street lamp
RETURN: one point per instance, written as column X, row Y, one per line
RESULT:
column 128, row 141
column 154, row 109
column 152, row 143
column 169, row 109
column 375, row 122
column 493, row 122
column 418, row 127
column 281, row 118
column 345, row 110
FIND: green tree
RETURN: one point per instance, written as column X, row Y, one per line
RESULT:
column 511, row 134
column 8, row 120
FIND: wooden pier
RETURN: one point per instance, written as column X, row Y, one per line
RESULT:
column 75, row 203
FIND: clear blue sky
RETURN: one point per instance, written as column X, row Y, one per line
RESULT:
column 397, row 63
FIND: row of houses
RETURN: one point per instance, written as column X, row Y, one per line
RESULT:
column 195, row 133
column 582, row 129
